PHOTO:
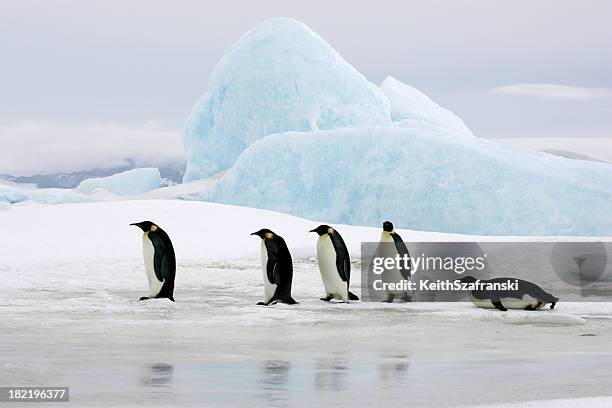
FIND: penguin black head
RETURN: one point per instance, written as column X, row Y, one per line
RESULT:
column 146, row 226
column 387, row 226
column 322, row 229
column 263, row 233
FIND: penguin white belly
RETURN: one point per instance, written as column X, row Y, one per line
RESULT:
column 482, row 303
column 326, row 257
column 149, row 254
column 387, row 249
column 509, row 303
column 525, row 301
column 269, row 287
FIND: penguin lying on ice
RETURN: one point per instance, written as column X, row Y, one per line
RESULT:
column 277, row 268
column 334, row 264
column 159, row 261
column 528, row 296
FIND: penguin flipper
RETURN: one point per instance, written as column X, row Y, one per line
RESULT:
column 343, row 260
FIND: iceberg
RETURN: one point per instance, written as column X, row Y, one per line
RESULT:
column 411, row 108
column 280, row 76
column 130, row 182
column 421, row 180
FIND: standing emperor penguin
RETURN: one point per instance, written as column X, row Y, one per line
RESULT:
column 334, row 264
column 277, row 268
column 391, row 245
column 159, row 261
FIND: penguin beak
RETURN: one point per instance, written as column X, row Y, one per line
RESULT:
column 313, row 230
column 254, row 233
column 136, row 224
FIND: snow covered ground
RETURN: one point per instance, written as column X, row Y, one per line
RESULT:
column 72, row 274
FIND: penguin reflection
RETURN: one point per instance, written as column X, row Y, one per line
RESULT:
column 331, row 374
column 274, row 378
column 393, row 368
column 158, row 376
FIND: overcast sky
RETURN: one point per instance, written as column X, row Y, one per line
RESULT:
column 509, row 69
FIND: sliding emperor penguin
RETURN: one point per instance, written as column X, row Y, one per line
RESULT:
column 391, row 245
column 525, row 295
column 277, row 268
column 159, row 261
column 334, row 264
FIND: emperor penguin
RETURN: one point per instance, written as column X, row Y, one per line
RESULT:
column 391, row 245
column 277, row 268
column 526, row 296
column 159, row 261
column 334, row 264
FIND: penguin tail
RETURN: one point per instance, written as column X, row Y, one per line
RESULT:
column 171, row 298
column 352, row 296
column 290, row 301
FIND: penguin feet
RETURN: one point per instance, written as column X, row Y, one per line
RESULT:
column 498, row 305
column 143, row 298
column 328, row 298
column 389, row 299
column 406, row 298
column 262, row 304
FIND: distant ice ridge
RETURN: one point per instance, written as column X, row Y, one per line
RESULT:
column 13, row 193
column 422, row 180
column 127, row 183
column 411, row 108
column 130, row 182
column 280, row 76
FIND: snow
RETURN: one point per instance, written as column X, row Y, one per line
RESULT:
column 279, row 76
column 130, row 182
column 422, row 180
column 72, row 274
column 413, row 109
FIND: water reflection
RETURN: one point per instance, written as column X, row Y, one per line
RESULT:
column 331, row 374
column 158, row 375
column 393, row 368
column 274, row 378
